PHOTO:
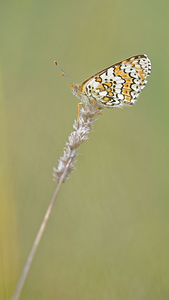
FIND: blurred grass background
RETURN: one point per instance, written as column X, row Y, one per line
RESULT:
column 108, row 236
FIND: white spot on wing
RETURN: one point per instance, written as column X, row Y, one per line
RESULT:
column 93, row 83
column 110, row 72
column 120, row 96
column 103, row 93
column 117, row 78
column 118, row 85
column 118, row 91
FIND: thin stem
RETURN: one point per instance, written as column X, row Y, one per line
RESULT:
column 65, row 167
column 31, row 255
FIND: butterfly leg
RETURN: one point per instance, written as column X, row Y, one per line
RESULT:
column 92, row 101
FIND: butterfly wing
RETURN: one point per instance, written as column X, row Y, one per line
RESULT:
column 118, row 84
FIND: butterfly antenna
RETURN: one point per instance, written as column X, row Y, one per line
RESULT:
column 63, row 72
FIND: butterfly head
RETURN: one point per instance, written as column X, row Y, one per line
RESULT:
column 75, row 89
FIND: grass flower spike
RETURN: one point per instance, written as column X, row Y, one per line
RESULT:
column 82, row 127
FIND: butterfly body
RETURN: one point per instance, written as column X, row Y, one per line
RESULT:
column 116, row 85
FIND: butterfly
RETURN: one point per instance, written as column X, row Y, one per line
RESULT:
column 116, row 85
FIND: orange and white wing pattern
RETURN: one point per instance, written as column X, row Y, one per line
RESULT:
column 118, row 84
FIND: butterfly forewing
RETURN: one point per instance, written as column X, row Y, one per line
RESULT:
column 118, row 84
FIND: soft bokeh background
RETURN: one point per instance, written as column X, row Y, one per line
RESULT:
column 108, row 236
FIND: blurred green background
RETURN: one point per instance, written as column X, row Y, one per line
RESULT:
column 108, row 235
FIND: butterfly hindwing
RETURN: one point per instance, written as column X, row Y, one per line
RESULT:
column 120, row 83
